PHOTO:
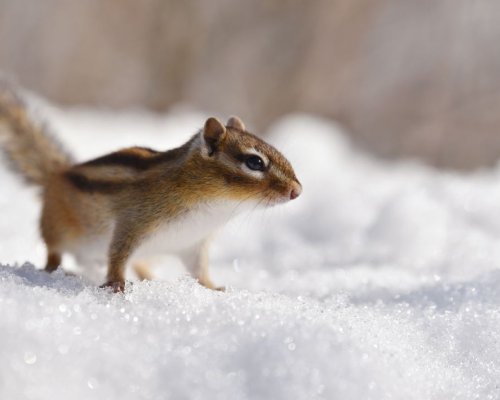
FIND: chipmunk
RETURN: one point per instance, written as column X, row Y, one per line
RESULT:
column 139, row 202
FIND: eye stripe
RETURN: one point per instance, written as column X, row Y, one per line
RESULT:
column 252, row 151
column 243, row 157
column 254, row 174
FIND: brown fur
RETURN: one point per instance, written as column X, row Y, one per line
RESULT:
column 135, row 190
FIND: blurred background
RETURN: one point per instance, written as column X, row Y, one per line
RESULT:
column 405, row 78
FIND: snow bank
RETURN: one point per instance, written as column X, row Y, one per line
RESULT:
column 380, row 282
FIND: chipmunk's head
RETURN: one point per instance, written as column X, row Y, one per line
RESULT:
column 250, row 168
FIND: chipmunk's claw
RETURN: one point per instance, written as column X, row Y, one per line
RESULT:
column 117, row 287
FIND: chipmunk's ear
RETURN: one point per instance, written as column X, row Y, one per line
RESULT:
column 235, row 122
column 213, row 133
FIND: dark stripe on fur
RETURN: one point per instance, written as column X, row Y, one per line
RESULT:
column 85, row 184
column 136, row 161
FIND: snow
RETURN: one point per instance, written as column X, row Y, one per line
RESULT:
column 380, row 282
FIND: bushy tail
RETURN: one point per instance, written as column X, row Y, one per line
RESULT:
column 28, row 145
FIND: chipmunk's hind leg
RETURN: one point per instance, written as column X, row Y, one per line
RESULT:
column 51, row 236
column 196, row 261
column 143, row 271
column 52, row 229
column 53, row 261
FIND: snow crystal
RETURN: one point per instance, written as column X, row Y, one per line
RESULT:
column 379, row 282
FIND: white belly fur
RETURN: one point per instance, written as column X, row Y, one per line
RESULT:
column 172, row 237
column 188, row 230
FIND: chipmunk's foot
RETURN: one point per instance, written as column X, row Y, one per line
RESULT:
column 53, row 261
column 117, row 287
column 209, row 285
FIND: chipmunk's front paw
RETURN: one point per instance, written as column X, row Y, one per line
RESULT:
column 117, row 287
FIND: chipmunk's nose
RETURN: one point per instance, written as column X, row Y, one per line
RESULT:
column 295, row 192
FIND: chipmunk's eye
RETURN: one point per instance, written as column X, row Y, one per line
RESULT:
column 255, row 163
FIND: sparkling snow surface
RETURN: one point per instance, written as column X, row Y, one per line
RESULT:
column 380, row 282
